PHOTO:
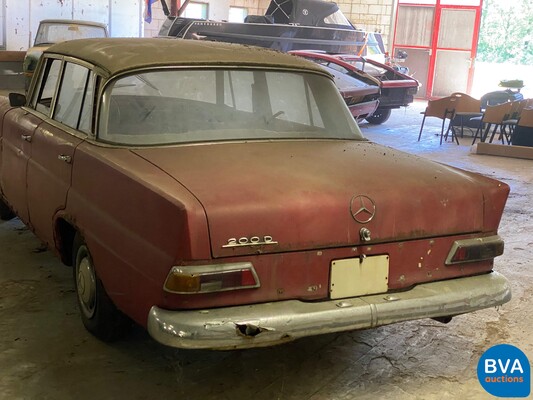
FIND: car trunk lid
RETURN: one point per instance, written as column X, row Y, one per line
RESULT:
column 282, row 196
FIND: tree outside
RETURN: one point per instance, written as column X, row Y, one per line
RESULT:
column 506, row 32
column 505, row 47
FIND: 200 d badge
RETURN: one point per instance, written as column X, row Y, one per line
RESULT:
column 253, row 241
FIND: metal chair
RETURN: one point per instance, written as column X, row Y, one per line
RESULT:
column 466, row 108
column 443, row 109
column 510, row 122
column 493, row 117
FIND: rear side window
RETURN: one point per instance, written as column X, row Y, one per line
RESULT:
column 72, row 95
column 66, row 88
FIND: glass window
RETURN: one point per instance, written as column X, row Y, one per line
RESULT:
column 2, row 24
column 367, row 67
column 460, row 2
column 195, row 10
column 292, row 87
column 337, row 67
column 237, row 14
column 71, row 94
column 418, row 1
column 47, row 86
column 86, row 118
column 55, row 32
column 180, row 106
column 337, row 18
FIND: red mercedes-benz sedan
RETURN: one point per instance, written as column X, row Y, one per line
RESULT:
column 223, row 197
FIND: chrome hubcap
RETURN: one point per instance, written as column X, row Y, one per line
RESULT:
column 86, row 285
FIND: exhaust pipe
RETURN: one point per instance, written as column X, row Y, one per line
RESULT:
column 443, row 320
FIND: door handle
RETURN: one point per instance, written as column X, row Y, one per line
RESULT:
column 67, row 159
column 27, row 138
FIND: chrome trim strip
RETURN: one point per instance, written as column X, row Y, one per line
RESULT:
column 284, row 321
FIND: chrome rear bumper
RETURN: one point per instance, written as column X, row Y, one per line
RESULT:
column 266, row 324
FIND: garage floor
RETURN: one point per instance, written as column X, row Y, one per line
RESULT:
column 45, row 353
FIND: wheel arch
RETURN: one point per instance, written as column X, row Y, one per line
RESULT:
column 64, row 233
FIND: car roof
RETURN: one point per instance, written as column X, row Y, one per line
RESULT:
column 73, row 22
column 116, row 55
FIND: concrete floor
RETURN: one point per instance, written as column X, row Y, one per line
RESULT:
column 45, row 353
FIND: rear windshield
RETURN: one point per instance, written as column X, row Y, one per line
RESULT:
column 53, row 32
column 199, row 105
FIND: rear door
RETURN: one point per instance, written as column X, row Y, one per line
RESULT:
column 55, row 141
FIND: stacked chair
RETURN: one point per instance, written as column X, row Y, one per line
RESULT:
column 461, row 109
column 508, row 126
column 523, row 131
column 493, row 117
column 457, row 106
column 504, row 116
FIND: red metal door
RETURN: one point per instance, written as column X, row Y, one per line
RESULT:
column 440, row 38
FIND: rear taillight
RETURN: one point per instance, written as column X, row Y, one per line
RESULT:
column 479, row 249
column 211, row 278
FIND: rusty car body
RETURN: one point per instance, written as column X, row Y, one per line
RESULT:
column 223, row 197
column 397, row 89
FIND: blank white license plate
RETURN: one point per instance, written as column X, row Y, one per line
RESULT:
column 359, row 276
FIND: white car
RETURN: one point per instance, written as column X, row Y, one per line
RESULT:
column 53, row 31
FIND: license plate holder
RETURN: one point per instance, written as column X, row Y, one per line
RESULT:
column 354, row 277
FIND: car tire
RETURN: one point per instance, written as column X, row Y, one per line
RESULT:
column 379, row 116
column 98, row 313
column 5, row 212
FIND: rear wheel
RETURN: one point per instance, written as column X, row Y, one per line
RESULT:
column 5, row 212
column 379, row 116
column 98, row 313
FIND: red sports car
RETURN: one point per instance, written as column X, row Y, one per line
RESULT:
column 224, row 197
column 361, row 96
column 397, row 89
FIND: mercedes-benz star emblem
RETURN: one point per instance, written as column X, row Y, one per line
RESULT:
column 362, row 209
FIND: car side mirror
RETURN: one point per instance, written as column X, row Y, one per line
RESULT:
column 17, row 99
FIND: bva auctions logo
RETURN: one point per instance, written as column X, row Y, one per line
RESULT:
column 504, row 371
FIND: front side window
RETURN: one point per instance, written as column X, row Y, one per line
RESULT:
column 45, row 89
column 182, row 106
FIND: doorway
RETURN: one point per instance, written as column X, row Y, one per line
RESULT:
column 440, row 38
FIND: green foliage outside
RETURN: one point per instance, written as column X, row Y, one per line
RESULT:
column 506, row 32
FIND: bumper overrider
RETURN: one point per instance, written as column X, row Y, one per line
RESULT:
column 267, row 324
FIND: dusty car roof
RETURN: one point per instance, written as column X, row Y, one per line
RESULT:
column 115, row 55
column 72, row 22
